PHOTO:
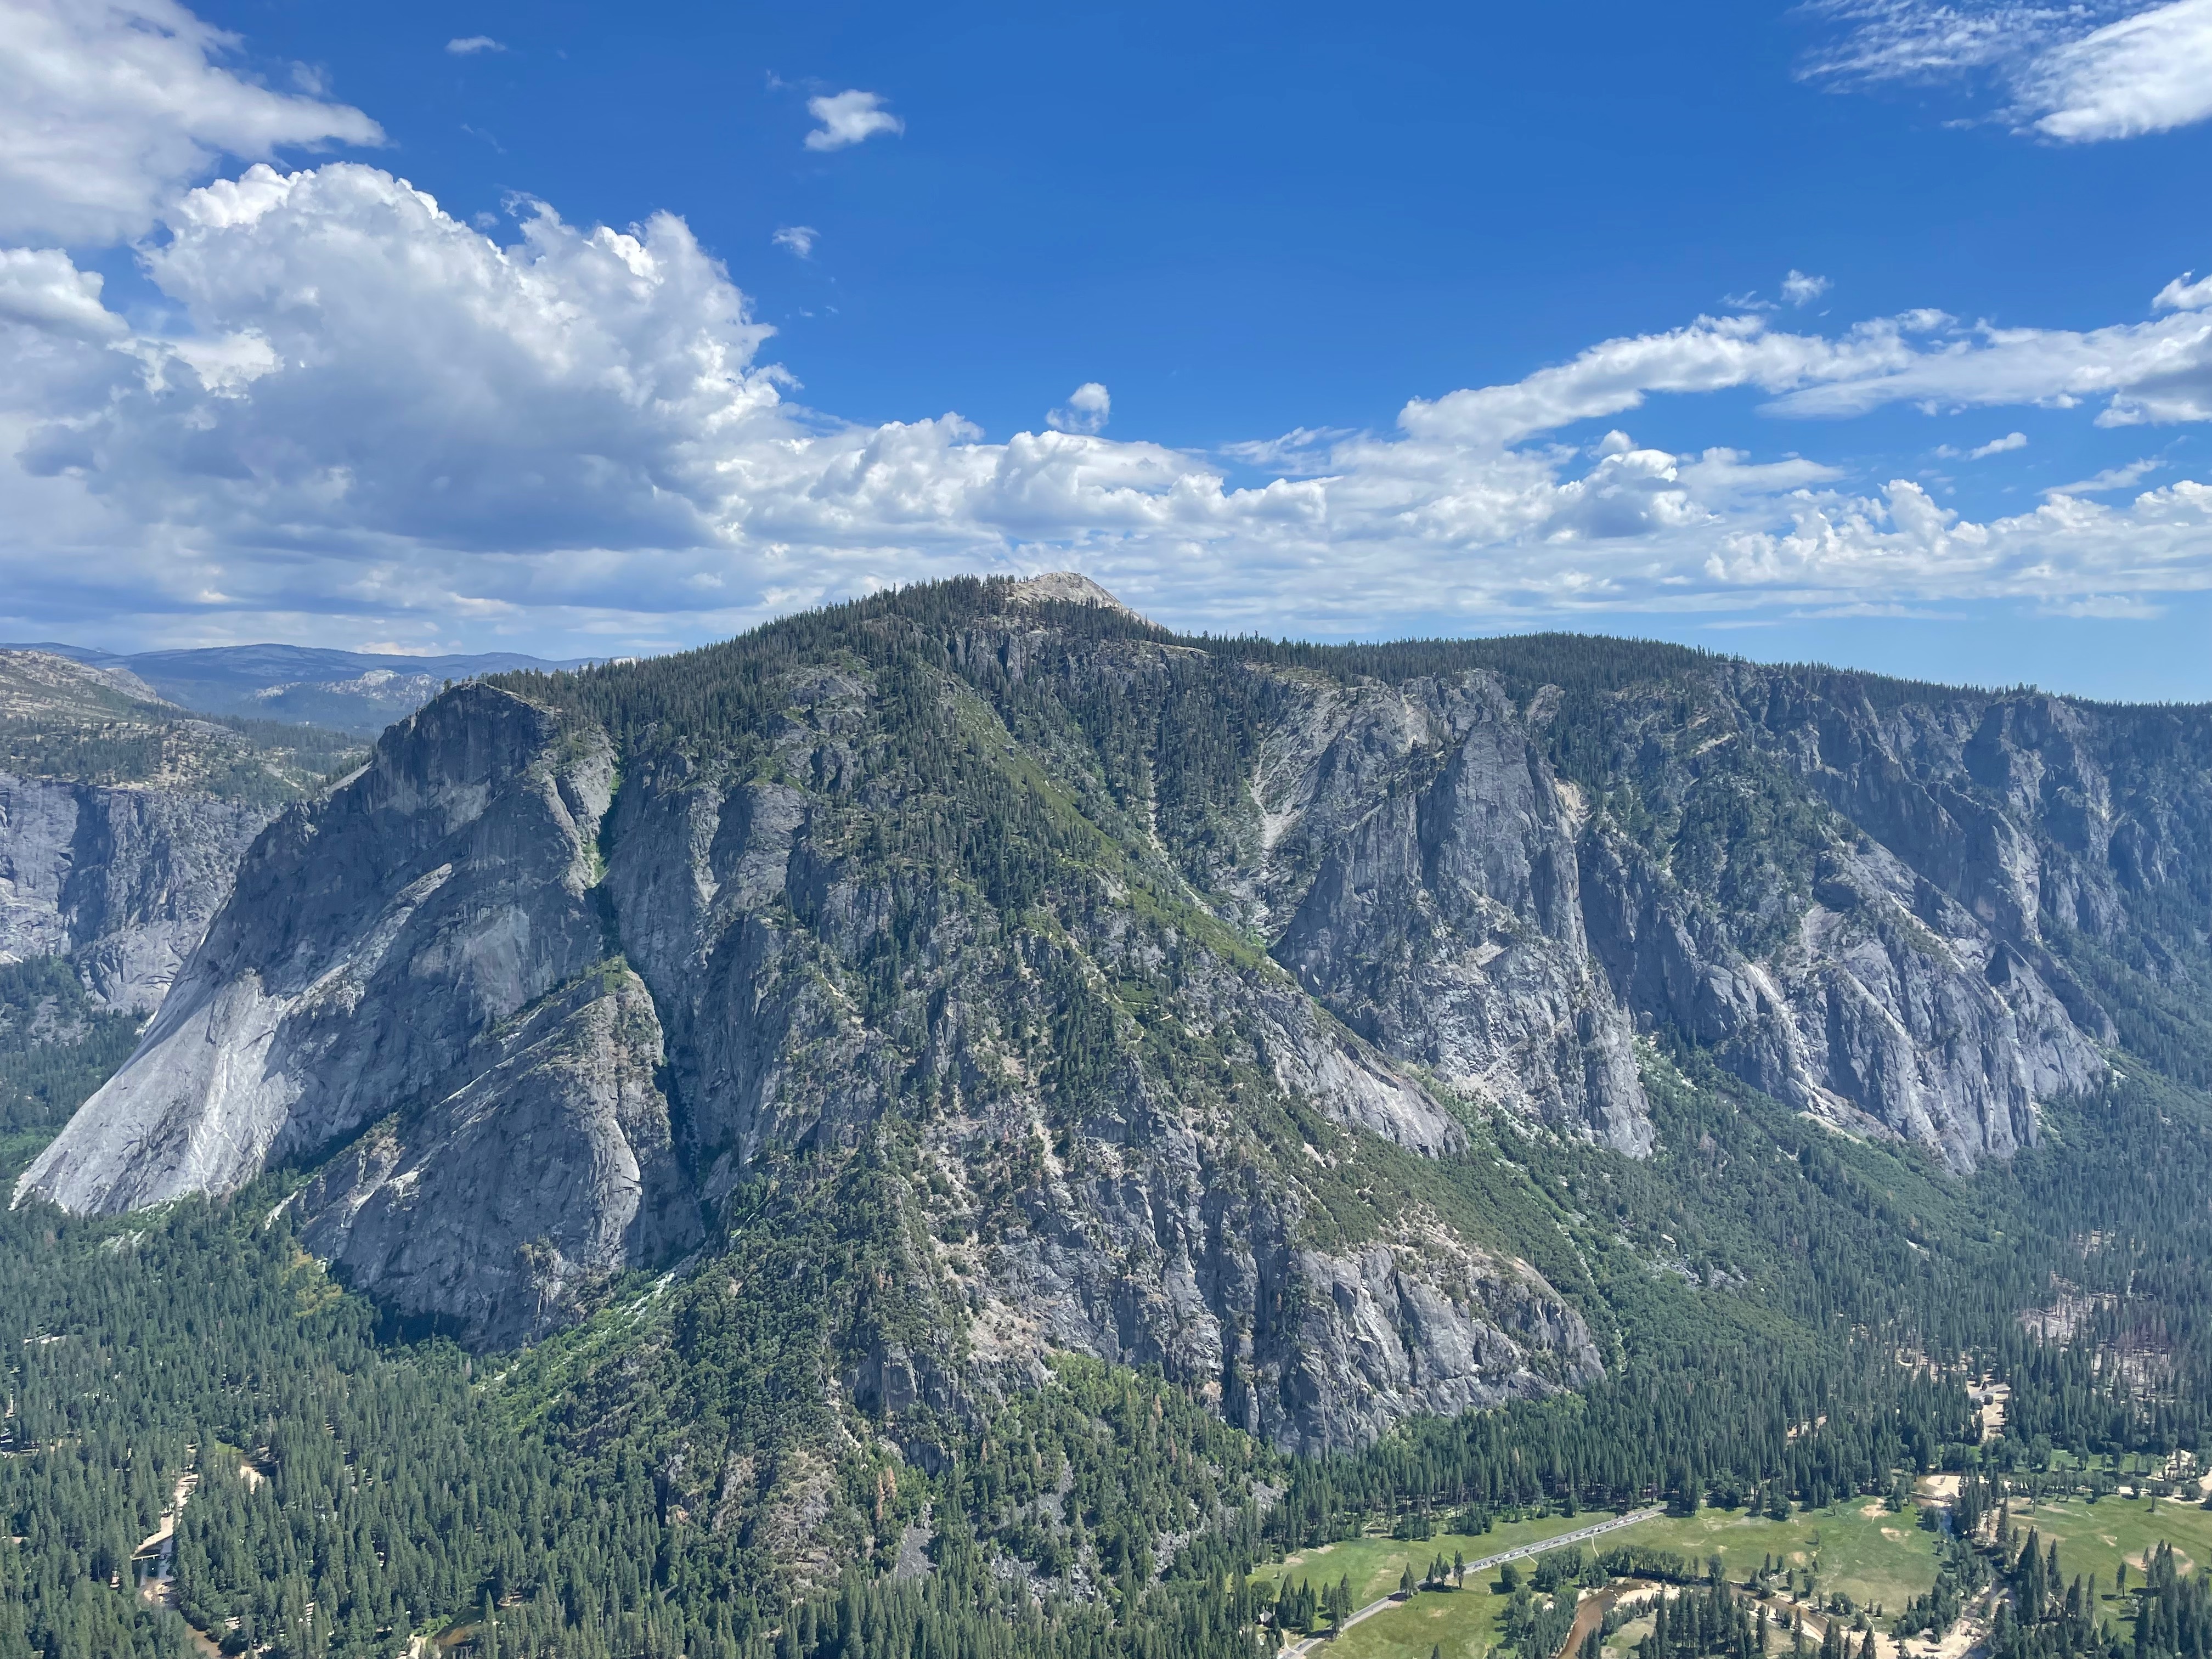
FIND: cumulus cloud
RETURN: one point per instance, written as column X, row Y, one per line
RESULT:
column 468, row 45
column 108, row 106
column 578, row 426
column 40, row 286
column 799, row 239
column 363, row 366
column 1087, row 410
column 2077, row 73
column 1799, row 289
column 849, row 118
column 2183, row 294
column 2003, row 446
column 373, row 410
column 358, row 412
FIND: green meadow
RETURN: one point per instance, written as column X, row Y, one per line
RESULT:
column 1857, row 1547
column 1375, row 1565
column 2096, row 1537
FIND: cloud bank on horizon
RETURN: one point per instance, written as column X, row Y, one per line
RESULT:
column 345, row 408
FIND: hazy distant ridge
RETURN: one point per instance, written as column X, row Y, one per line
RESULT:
column 356, row 691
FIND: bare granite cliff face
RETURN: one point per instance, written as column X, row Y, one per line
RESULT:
column 372, row 940
column 1444, row 919
column 122, row 881
column 1885, row 968
column 543, row 1067
column 493, row 1210
column 1161, row 991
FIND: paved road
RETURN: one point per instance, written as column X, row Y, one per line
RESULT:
column 1541, row 1546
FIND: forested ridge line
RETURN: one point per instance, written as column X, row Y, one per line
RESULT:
column 1788, row 1314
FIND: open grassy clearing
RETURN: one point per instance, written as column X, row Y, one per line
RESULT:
column 2096, row 1537
column 1462, row 1624
column 1374, row 1565
column 1859, row 1548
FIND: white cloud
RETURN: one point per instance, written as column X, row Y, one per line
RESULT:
column 1087, row 410
column 376, row 417
column 2182, row 294
column 2003, row 446
column 108, row 106
column 2112, row 478
column 468, row 45
column 361, row 417
column 849, row 118
column 40, row 286
column 2107, row 606
column 799, row 238
column 1920, row 40
column 1710, row 355
column 1299, row 453
column 2079, row 72
column 1799, row 289
column 2136, row 373
column 2147, row 73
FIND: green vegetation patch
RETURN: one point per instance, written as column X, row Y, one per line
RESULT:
column 2095, row 1538
column 57, row 1045
column 1857, row 1547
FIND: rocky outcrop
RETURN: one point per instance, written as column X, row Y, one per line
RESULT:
column 492, row 1210
column 539, row 1066
column 1444, row 922
column 122, row 881
column 1135, row 976
column 372, row 941
column 1151, row 1238
column 1311, row 1348
column 1889, row 1008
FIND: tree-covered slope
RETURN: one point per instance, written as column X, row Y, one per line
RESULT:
column 970, row 1081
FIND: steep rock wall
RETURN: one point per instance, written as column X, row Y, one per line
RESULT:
column 122, row 881
column 545, row 1067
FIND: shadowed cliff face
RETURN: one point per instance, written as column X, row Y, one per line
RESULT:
column 121, row 881
column 123, row 820
column 550, row 1168
column 1149, row 978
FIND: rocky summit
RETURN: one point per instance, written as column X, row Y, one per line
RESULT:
column 1163, row 981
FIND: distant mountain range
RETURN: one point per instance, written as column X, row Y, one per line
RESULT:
column 353, row 691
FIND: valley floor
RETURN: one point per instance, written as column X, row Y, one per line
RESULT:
column 1858, row 1549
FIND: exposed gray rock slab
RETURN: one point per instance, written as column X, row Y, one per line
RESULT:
column 371, row 940
column 121, row 880
column 550, row 1169
column 1444, row 920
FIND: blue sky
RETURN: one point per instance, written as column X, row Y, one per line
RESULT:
column 304, row 403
